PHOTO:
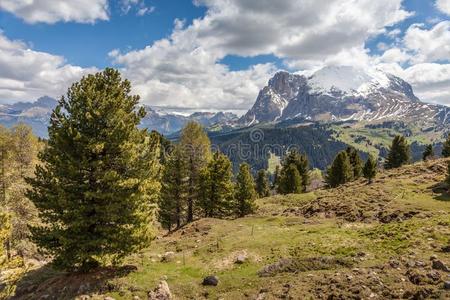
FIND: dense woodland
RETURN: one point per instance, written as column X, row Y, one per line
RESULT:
column 99, row 188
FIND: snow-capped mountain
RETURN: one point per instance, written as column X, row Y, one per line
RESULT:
column 37, row 115
column 339, row 94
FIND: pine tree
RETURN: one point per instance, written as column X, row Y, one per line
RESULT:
column 216, row 186
column 174, row 189
column 370, row 169
column 245, row 195
column 302, row 165
column 340, row 171
column 96, row 186
column 399, row 153
column 428, row 153
column 196, row 147
column 446, row 147
column 262, row 184
column 276, row 178
column 355, row 161
column 292, row 180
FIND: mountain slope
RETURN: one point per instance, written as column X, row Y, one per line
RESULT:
column 358, row 241
column 339, row 94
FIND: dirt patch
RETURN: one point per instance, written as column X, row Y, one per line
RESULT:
column 230, row 261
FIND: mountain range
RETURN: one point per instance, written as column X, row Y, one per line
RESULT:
column 341, row 94
column 37, row 115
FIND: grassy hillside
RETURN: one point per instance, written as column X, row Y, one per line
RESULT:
column 358, row 241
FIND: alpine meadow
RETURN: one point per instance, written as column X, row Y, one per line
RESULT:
column 224, row 149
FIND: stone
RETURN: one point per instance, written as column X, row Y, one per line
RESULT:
column 439, row 265
column 446, row 249
column 240, row 259
column 108, row 298
column 210, row 280
column 168, row 256
column 447, row 285
column 161, row 292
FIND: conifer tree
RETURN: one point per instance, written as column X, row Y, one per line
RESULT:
column 302, row 165
column 174, row 189
column 399, row 153
column 292, row 180
column 370, row 169
column 262, row 184
column 446, row 147
column 355, row 161
column 96, row 186
column 216, row 186
column 340, row 171
column 428, row 152
column 276, row 178
column 196, row 147
column 245, row 195
column 4, row 235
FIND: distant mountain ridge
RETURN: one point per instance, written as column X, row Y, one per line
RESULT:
column 37, row 115
column 341, row 94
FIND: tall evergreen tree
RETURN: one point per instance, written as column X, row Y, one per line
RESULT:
column 216, row 186
column 245, row 195
column 174, row 189
column 446, row 147
column 370, row 169
column 302, row 165
column 340, row 171
column 428, row 152
column 355, row 161
column 262, row 184
column 196, row 147
column 276, row 178
column 96, row 186
column 292, row 180
column 399, row 153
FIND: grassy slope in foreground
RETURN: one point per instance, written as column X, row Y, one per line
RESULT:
column 356, row 241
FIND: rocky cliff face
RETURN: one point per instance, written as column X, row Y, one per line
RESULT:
column 341, row 93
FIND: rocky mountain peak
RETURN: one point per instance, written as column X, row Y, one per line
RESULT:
column 339, row 93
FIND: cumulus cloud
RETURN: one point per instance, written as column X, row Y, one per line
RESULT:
column 429, row 45
column 26, row 74
column 443, row 6
column 185, row 69
column 51, row 11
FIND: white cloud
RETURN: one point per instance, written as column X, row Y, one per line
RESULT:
column 185, row 69
column 443, row 6
column 394, row 55
column 140, row 7
column 51, row 11
column 429, row 45
column 26, row 74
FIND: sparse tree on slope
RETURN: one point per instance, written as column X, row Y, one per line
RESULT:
column 196, row 147
column 96, row 187
column 216, row 187
column 245, row 191
column 301, row 163
column 370, row 169
column 399, row 153
column 446, row 147
column 355, row 161
column 276, row 178
column 174, row 190
column 292, row 180
column 340, row 171
column 262, row 184
column 428, row 152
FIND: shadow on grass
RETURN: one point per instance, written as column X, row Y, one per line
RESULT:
column 442, row 191
column 47, row 283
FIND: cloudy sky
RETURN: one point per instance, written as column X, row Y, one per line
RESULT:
column 217, row 54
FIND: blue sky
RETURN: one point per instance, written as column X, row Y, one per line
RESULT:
column 217, row 53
